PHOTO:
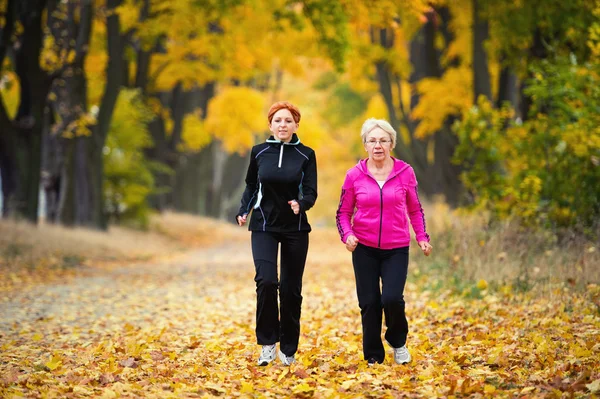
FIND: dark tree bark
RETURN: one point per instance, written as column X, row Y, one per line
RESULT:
column 52, row 163
column 68, row 173
column 385, row 38
column 143, row 56
column 441, row 176
column 165, row 149
column 481, row 74
column 8, row 162
column 507, row 87
column 24, row 134
column 537, row 51
column 115, row 78
column 425, row 60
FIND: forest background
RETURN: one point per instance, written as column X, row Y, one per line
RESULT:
column 116, row 108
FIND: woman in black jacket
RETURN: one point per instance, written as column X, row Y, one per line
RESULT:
column 281, row 185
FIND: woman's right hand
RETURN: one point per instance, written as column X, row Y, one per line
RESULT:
column 242, row 219
column 351, row 243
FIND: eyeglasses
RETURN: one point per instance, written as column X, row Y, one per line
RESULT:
column 383, row 142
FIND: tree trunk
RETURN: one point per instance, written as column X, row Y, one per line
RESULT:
column 447, row 173
column 8, row 162
column 425, row 61
column 115, row 77
column 536, row 51
column 507, row 88
column 34, row 86
column 385, row 38
column 219, row 157
column 9, row 168
column 72, row 34
column 52, row 164
column 66, row 201
column 234, row 185
column 481, row 75
column 159, row 153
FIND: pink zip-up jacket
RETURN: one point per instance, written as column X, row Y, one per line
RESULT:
column 382, row 214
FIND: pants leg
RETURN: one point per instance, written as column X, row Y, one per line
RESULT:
column 294, row 247
column 367, row 271
column 264, row 252
column 394, row 270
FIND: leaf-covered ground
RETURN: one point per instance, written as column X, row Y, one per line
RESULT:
column 184, row 327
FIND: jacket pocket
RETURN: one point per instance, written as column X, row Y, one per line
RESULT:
column 400, row 217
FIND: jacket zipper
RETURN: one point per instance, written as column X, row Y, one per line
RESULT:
column 380, row 214
column 280, row 155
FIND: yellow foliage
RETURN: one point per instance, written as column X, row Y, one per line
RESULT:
column 129, row 15
column 95, row 63
column 194, row 135
column 375, row 109
column 50, row 60
column 234, row 116
column 312, row 133
column 11, row 94
column 461, row 26
column 440, row 98
column 80, row 126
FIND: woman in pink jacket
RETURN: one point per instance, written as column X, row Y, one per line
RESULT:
column 379, row 197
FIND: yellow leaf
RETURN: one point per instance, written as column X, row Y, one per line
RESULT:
column 37, row 336
column 109, row 394
column 303, row 388
column 594, row 386
column 214, row 388
column 247, row 387
column 283, row 374
column 54, row 363
column 482, row 284
column 489, row 388
column 347, row 384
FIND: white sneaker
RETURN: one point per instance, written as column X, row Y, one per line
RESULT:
column 285, row 359
column 267, row 355
column 401, row 355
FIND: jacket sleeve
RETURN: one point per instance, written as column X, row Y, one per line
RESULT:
column 309, row 184
column 345, row 209
column 250, row 193
column 414, row 208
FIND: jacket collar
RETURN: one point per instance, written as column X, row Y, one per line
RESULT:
column 399, row 166
column 294, row 141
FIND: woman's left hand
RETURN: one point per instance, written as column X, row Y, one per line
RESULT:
column 426, row 247
column 295, row 206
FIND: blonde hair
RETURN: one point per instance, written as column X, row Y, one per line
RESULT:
column 373, row 123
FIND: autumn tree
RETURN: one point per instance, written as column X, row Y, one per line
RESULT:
column 187, row 52
column 537, row 159
column 21, row 133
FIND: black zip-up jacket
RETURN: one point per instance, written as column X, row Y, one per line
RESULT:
column 279, row 172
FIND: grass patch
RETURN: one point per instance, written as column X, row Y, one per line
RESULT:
column 469, row 250
column 38, row 253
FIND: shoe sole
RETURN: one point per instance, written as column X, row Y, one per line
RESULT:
column 266, row 362
column 408, row 361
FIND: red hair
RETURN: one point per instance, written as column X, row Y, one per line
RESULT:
column 284, row 105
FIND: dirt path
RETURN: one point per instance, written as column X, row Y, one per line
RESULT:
column 185, row 328
column 138, row 294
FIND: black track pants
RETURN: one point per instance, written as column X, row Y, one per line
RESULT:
column 271, row 325
column 391, row 267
